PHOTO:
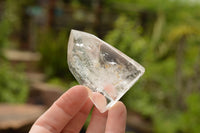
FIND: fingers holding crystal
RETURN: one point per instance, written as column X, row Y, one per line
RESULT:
column 96, row 64
column 79, row 119
column 116, row 121
column 62, row 111
column 111, row 91
column 97, row 122
column 99, row 100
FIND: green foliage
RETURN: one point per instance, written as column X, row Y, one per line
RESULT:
column 126, row 37
column 190, row 119
column 5, row 31
column 53, row 48
column 13, row 85
column 13, row 11
column 64, row 84
column 10, row 20
column 182, row 31
column 155, row 95
column 169, row 124
column 186, row 121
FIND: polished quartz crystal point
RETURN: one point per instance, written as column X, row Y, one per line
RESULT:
column 107, row 72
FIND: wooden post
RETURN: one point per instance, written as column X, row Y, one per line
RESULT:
column 179, row 73
column 51, row 16
column 98, row 17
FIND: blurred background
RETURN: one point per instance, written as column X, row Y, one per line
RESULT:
column 163, row 36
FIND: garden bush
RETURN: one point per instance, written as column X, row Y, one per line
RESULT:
column 53, row 49
column 13, row 84
column 157, row 95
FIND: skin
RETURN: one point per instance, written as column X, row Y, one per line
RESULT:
column 69, row 112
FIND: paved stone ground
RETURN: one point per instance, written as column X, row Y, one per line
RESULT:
column 44, row 94
column 14, row 116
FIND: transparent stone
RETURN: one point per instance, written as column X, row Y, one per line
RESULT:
column 107, row 72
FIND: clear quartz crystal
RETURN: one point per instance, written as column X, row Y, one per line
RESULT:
column 107, row 72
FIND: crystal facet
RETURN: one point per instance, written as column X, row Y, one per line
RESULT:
column 107, row 72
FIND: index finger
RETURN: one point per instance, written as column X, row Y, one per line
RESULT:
column 116, row 122
column 62, row 111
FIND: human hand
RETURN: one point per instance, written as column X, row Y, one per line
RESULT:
column 69, row 112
